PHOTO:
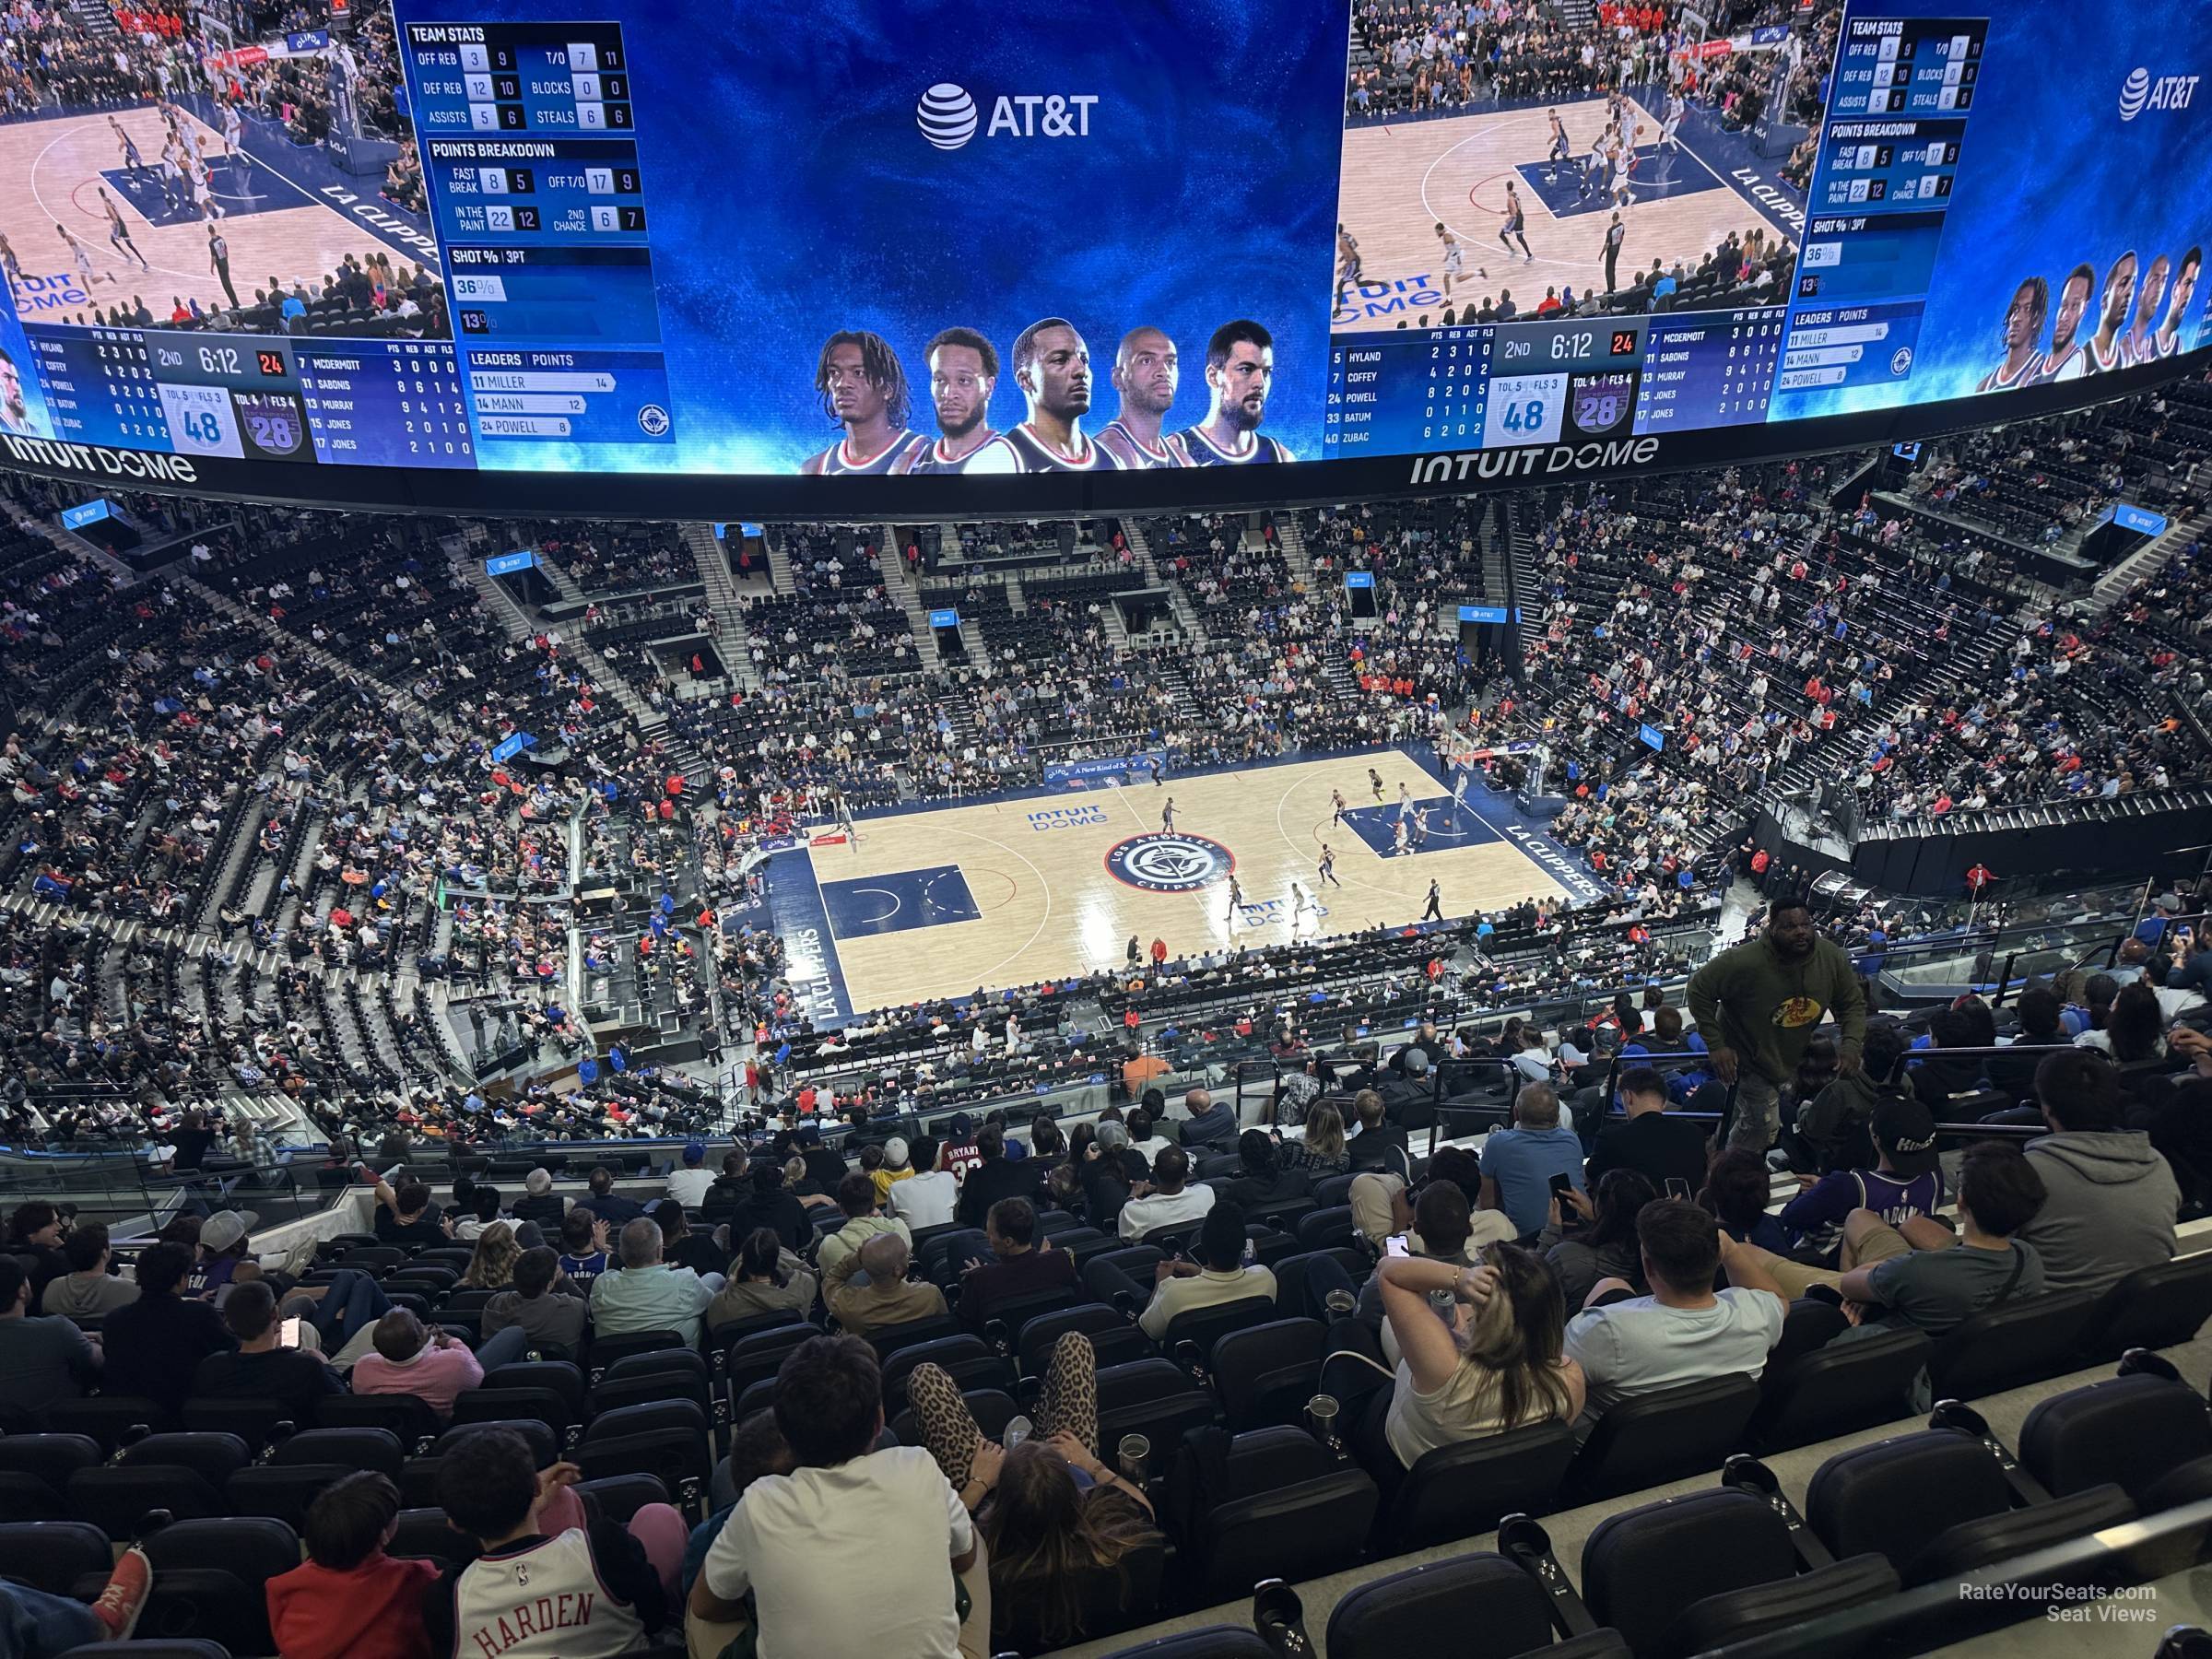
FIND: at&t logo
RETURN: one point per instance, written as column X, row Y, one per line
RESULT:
column 2139, row 92
column 1169, row 863
column 947, row 115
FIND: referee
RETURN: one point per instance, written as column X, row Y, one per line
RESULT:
column 1615, row 233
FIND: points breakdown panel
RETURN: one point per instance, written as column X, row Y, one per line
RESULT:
column 529, row 154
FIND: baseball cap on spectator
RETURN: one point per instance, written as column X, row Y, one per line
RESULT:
column 1906, row 1131
column 538, row 1182
column 695, row 1153
column 219, row 1231
column 1111, row 1135
column 895, row 1153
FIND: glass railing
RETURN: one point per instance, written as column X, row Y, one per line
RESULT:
column 135, row 1197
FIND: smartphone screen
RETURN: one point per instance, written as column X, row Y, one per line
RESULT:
column 1395, row 1245
column 288, row 1335
column 1561, row 1185
column 1676, row 1187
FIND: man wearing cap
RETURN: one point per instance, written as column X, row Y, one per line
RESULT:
column 897, row 1166
column 1840, row 1213
column 689, row 1186
column 1758, row 1005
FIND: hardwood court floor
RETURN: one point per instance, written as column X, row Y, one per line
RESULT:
column 1399, row 179
column 937, row 903
column 52, row 170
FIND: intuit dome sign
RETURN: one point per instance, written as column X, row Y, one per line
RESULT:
column 99, row 460
column 1540, row 461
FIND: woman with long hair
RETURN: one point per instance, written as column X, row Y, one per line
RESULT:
column 1499, row 1362
column 492, row 1266
column 1605, row 1247
column 2135, row 1030
column 1322, row 1153
column 1049, row 1534
column 765, row 1278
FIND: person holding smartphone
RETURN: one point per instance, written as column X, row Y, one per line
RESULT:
column 1519, row 1164
column 1658, row 1146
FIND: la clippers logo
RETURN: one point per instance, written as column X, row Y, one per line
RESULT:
column 1171, row 862
column 947, row 115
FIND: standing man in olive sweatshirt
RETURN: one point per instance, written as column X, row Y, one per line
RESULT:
column 1758, row 1005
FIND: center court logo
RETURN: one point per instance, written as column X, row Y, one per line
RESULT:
column 2139, row 92
column 1168, row 863
column 948, row 116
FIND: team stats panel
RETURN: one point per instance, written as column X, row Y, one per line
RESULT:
column 530, row 159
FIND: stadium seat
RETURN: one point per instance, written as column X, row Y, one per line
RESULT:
column 1155, row 1398
column 210, row 1581
column 142, row 1647
column 1474, row 1607
column 1291, row 1293
column 1937, row 1503
column 489, row 1405
column 619, row 1497
column 677, row 1457
column 544, row 1445
column 993, row 1409
column 281, row 1492
column 1857, row 1381
column 2160, row 1306
column 257, row 1422
column 717, row 1342
column 1265, row 1373
column 759, row 1354
column 1214, row 1641
column 108, row 1419
column 1464, row 1490
column 53, row 1555
column 41, row 1461
column 118, row 1498
column 377, row 1449
column 423, row 1534
column 2024, row 1341
column 1327, row 1230
column 1670, row 1434
column 1686, row 1574
column 605, row 1350
column 1287, row 1511
column 406, row 1416
column 2136, row 1432
column 970, row 1361
column 1112, row 1338
column 1203, row 1327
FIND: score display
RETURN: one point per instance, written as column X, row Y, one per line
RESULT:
column 632, row 259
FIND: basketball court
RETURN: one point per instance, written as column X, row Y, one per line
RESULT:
column 932, row 904
column 52, row 171
column 1400, row 179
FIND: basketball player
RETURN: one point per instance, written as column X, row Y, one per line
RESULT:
column 1670, row 124
column 133, row 162
column 1052, row 366
column 1459, row 790
column 1435, row 911
column 2064, row 361
column 1147, row 373
column 1420, row 828
column 1240, row 368
column 1336, row 800
column 81, row 256
column 1455, row 257
column 118, row 234
column 1405, row 798
column 2167, row 340
column 1511, row 232
column 1299, row 905
column 203, row 190
column 1560, row 149
column 1374, row 781
column 963, row 369
column 862, row 388
column 1624, row 167
column 1236, row 901
column 172, row 171
column 1167, row 817
column 1398, row 847
column 2022, row 327
column 2135, row 346
column 2104, row 350
column 1348, row 264
column 234, row 130
column 1327, row 871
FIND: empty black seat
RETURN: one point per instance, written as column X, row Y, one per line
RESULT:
column 1668, row 1434
column 424, row 1534
column 1265, row 1373
column 52, row 1555
column 993, row 1409
column 47, row 1460
column 1113, row 1339
column 1478, row 1606
column 406, row 1417
column 2156, row 1306
column 1214, row 1641
column 1857, row 1381
column 2021, row 1342
column 211, row 1581
column 108, row 1417
column 1207, row 1326
column 1685, row 1574
column 1293, row 1513
column 1155, row 1398
column 605, row 1350
column 1464, row 1490
column 2134, row 1432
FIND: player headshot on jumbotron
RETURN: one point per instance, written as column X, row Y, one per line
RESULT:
column 2017, row 337
column 1147, row 373
column 2064, row 361
column 2167, row 340
column 1052, row 366
column 862, row 389
column 2104, row 351
column 1240, row 370
column 963, row 372
column 2135, row 345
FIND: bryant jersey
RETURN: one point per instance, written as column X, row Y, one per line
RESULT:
column 931, row 458
column 544, row 1601
column 834, row 460
column 1027, row 452
column 1203, row 451
column 1131, row 453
